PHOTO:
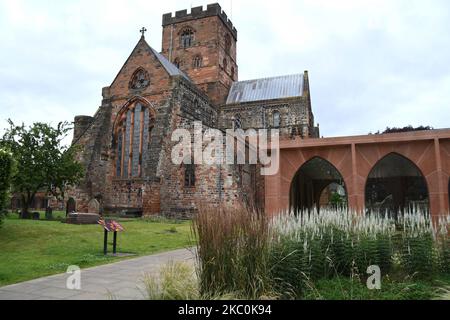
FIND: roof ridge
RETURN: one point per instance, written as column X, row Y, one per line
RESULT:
column 275, row 77
column 262, row 89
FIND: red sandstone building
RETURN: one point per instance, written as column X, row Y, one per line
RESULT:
column 401, row 170
column 126, row 145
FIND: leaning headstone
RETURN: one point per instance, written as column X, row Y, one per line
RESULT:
column 94, row 206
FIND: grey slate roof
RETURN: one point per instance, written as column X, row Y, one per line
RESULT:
column 266, row 89
column 170, row 67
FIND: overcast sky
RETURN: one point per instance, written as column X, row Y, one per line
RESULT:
column 372, row 64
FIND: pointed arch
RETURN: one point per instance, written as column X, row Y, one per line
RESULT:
column 395, row 184
column 309, row 182
column 187, row 37
column 131, row 134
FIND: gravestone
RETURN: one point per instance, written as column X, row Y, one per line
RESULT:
column 49, row 213
column 36, row 216
column 94, row 206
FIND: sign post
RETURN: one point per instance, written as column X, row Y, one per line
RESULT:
column 110, row 226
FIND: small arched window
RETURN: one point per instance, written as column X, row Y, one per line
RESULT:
column 237, row 123
column 132, row 133
column 177, row 63
column 276, row 119
column 232, row 73
column 225, row 64
column 198, row 62
column 187, row 38
column 227, row 44
column 189, row 175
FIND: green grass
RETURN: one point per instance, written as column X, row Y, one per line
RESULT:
column 343, row 288
column 31, row 249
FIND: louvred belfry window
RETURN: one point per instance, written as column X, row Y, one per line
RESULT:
column 187, row 38
column 132, row 134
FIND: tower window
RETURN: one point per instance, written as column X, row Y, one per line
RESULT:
column 225, row 64
column 198, row 62
column 276, row 119
column 227, row 44
column 232, row 73
column 189, row 175
column 177, row 63
column 237, row 123
column 187, row 38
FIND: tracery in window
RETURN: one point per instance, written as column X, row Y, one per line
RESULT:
column 140, row 79
column 187, row 38
column 197, row 62
column 132, row 134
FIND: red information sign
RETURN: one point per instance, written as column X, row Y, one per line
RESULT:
column 111, row 226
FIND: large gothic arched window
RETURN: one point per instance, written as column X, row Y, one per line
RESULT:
column 132, row 134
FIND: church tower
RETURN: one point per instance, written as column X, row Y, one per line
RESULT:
column 203, row 45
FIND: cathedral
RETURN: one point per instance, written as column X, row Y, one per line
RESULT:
column 126, row 145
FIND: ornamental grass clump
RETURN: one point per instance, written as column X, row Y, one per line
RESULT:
column 418, row 251
column 251, row 255
column 232, row 253
column 336, row 242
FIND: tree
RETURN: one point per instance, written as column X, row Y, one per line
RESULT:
column 6, row 169
column 43, row 162
column 405, row 129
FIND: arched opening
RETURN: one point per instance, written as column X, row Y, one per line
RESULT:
column 311, row 181
column 71, row 206
column 333, row 196
column 394, row 185
column 187, row 38
column 132, row 130
column 197, row 62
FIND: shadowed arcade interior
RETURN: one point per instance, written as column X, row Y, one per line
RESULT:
column 394, row 185
column 317, row 184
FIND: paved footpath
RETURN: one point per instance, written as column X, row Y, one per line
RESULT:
column 121, row 280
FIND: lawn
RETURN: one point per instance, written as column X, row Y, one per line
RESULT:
column 32, row 249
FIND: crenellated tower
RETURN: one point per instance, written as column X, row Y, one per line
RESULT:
column 203, row 45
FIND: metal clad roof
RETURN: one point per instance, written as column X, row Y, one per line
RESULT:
column 266, row 89
column 170, row 67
